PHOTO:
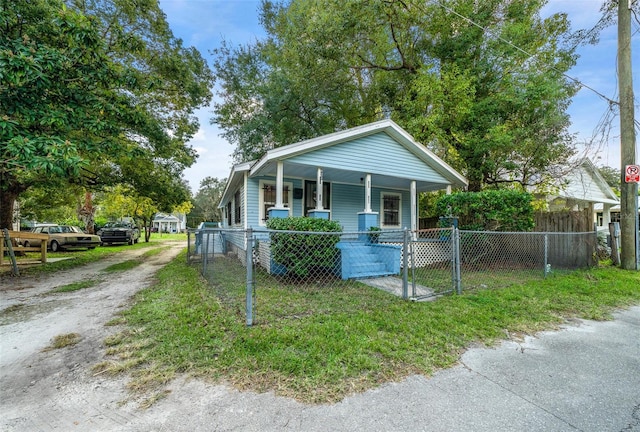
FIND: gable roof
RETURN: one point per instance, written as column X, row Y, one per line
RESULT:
column 389, row 127
column 164, row 217
column 303, row 158
column 584, row 183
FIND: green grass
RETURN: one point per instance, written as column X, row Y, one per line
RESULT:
column 123, row 266
column 320, row 344
column 75, row 286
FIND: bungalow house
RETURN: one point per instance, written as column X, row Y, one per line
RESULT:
column 585, row 190
column 169, row 223
column 367, row 176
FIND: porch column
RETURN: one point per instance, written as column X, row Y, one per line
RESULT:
column 606, row 214
column 367, row 193
column 279, row 184
column 319, row 189
column 414, row 208
column 368, row 217
column 279, row 210
column 319, row 212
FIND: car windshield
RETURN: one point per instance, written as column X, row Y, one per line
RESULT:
column 70, row 229
column 117, row 225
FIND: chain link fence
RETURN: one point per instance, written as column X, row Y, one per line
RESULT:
column 286, row 267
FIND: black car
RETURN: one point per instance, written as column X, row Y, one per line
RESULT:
column 119, row 232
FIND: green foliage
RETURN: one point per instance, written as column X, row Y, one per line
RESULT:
column 304, row 255
column 490, row 210
column 206, row 202
column 612, row 176
column 97, row 93
column 494, row 112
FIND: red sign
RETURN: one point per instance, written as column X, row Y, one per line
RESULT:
column 632, row 174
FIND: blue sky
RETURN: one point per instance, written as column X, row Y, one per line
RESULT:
column 204, row 23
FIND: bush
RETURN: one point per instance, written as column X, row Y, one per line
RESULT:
column 305, row 255
column 490, row 210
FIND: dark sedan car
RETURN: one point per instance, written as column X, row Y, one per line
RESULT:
column 119, row 232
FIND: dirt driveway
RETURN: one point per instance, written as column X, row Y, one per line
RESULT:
column 56, row 389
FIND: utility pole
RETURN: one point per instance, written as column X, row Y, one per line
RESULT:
column 629, row 191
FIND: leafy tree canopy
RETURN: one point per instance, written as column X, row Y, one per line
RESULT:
column 206, row 201
column 612, row 176
column 90, row 89
column 480, row 83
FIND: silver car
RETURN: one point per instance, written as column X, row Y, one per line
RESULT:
column 64, row 237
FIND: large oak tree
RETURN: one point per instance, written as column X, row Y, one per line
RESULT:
column 480, row 82
column 95, row 92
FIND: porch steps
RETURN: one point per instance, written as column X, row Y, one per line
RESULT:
column 366, row 260
column 368, row 265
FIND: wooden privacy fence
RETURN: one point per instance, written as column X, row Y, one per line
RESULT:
column 564, row 221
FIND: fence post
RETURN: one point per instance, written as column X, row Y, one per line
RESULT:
column 546, row 255
column 405, row 265
column 458, row 278
column 249, row 258
column 205, row 251
column 188, row 246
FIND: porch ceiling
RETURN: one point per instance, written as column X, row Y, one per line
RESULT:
column 307, row 172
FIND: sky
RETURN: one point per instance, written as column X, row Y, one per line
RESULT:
column 205, row 23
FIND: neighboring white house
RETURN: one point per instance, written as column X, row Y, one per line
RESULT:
column 584, row 188
column 170, row 223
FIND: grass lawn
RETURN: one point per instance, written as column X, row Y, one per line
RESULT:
column 321, row 344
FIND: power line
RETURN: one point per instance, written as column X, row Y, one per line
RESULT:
column 530, row 55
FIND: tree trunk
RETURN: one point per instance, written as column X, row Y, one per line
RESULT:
column 7, row 200
column 86, row 213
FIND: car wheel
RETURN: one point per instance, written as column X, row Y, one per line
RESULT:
column 55, row 247
column 27, row 244
column 91, row 248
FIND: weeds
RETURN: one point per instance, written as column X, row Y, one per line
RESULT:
column 63, row 341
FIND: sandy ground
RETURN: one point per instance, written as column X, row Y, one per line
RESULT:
column 56, row 389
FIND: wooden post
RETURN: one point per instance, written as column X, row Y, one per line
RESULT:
column 614, row 231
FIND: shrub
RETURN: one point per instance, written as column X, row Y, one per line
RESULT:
column 305, row 255
column 490, row 210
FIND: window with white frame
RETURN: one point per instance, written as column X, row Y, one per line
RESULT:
column 390, row 210
column 267, row 198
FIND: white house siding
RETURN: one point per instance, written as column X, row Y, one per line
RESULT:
column 384, row 156
column 583, row 186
